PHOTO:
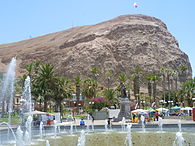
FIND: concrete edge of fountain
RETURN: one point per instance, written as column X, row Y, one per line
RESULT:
column 114, row 126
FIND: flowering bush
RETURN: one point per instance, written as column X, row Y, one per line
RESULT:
column 97, row 99
column 99, row 103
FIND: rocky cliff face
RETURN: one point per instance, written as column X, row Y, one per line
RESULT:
column 119, row 45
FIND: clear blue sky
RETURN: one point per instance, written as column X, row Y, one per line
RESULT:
column 20, row 19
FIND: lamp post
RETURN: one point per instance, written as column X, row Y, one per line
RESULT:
column 170, row 103
column 162, row 102
column 143, row 103
column 74, row 108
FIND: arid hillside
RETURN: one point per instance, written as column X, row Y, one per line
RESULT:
column 118, row 45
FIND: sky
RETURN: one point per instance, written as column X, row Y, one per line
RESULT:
column 23, row 19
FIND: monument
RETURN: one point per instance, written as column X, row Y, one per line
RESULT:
column 124, row 105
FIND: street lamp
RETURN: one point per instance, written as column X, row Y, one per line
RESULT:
column 162, row 102
column 170, row 103
column 74, row 103
column 143, row 103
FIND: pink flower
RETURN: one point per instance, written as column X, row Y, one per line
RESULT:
column 97, row 99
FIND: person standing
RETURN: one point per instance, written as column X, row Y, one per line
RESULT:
column 156, row 115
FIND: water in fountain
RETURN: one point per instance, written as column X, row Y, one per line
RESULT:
column 29, row 127
column 106, row 125
column 92, row 126
column 27, row 138
column 9, row 129
column 123, row 124
column 71, row 128
column 7, row 92
column 55, row 128
column 81, row 139
column 179, row 140
column 26, row 106
column 143, row 125
column 179, row 125
column 87, row 123
column 19, row 134
column 41, row 130
column 47, row 143
column 129, row 137
column 160, row 124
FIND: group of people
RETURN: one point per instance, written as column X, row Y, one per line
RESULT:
column 154, row 116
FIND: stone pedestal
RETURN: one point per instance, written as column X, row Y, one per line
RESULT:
column 124, row 109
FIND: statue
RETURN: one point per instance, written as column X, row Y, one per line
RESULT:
column 124, row 105
column 123, row 91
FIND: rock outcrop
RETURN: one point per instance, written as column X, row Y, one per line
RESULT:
column 120, row 45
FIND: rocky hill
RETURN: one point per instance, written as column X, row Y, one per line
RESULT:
column 120, row 45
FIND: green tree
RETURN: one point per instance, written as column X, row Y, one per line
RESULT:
column 187, row 91
column 110, row 96
column 152, row 83
column 95, row 73
column 61, row 90
column 46, row 82
column 77, row 82
column 136, row 83
column 89, row 88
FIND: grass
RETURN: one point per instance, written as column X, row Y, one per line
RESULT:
column 75, row 116
column 14, row 119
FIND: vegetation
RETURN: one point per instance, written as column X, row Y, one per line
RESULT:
column 50, row 89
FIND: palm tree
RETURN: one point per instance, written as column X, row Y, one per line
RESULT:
column 89, row 88
column 21, row 80
column 29, row 68
column 152, row 81
column 122, row 78
column 129, row 85
column 62, row 89
column 108, row 75
column 163, row 73
column 136, row 83
column 95, row 73
column 187, row 89
column 182, row 73
column 110, row 95
column 46, row 81
column 77, row 82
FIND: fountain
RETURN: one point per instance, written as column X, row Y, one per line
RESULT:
column 179, row 125
column 113, row 137
column 55, row 128
column 19, row 133
column 27, row 139
column 81, row 139
column 123, row 124
column 179, row 140
column 71, row 128
column 106, row 125
column 87, row 123
column 47, row 143
column 128, row 141
column 143, row 121
column 7, row 92
column 160, row 124
column 41, row 130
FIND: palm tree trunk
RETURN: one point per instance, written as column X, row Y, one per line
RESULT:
column 150, row 91
column 78, row 91
column 45, row 104
column 154, row 92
